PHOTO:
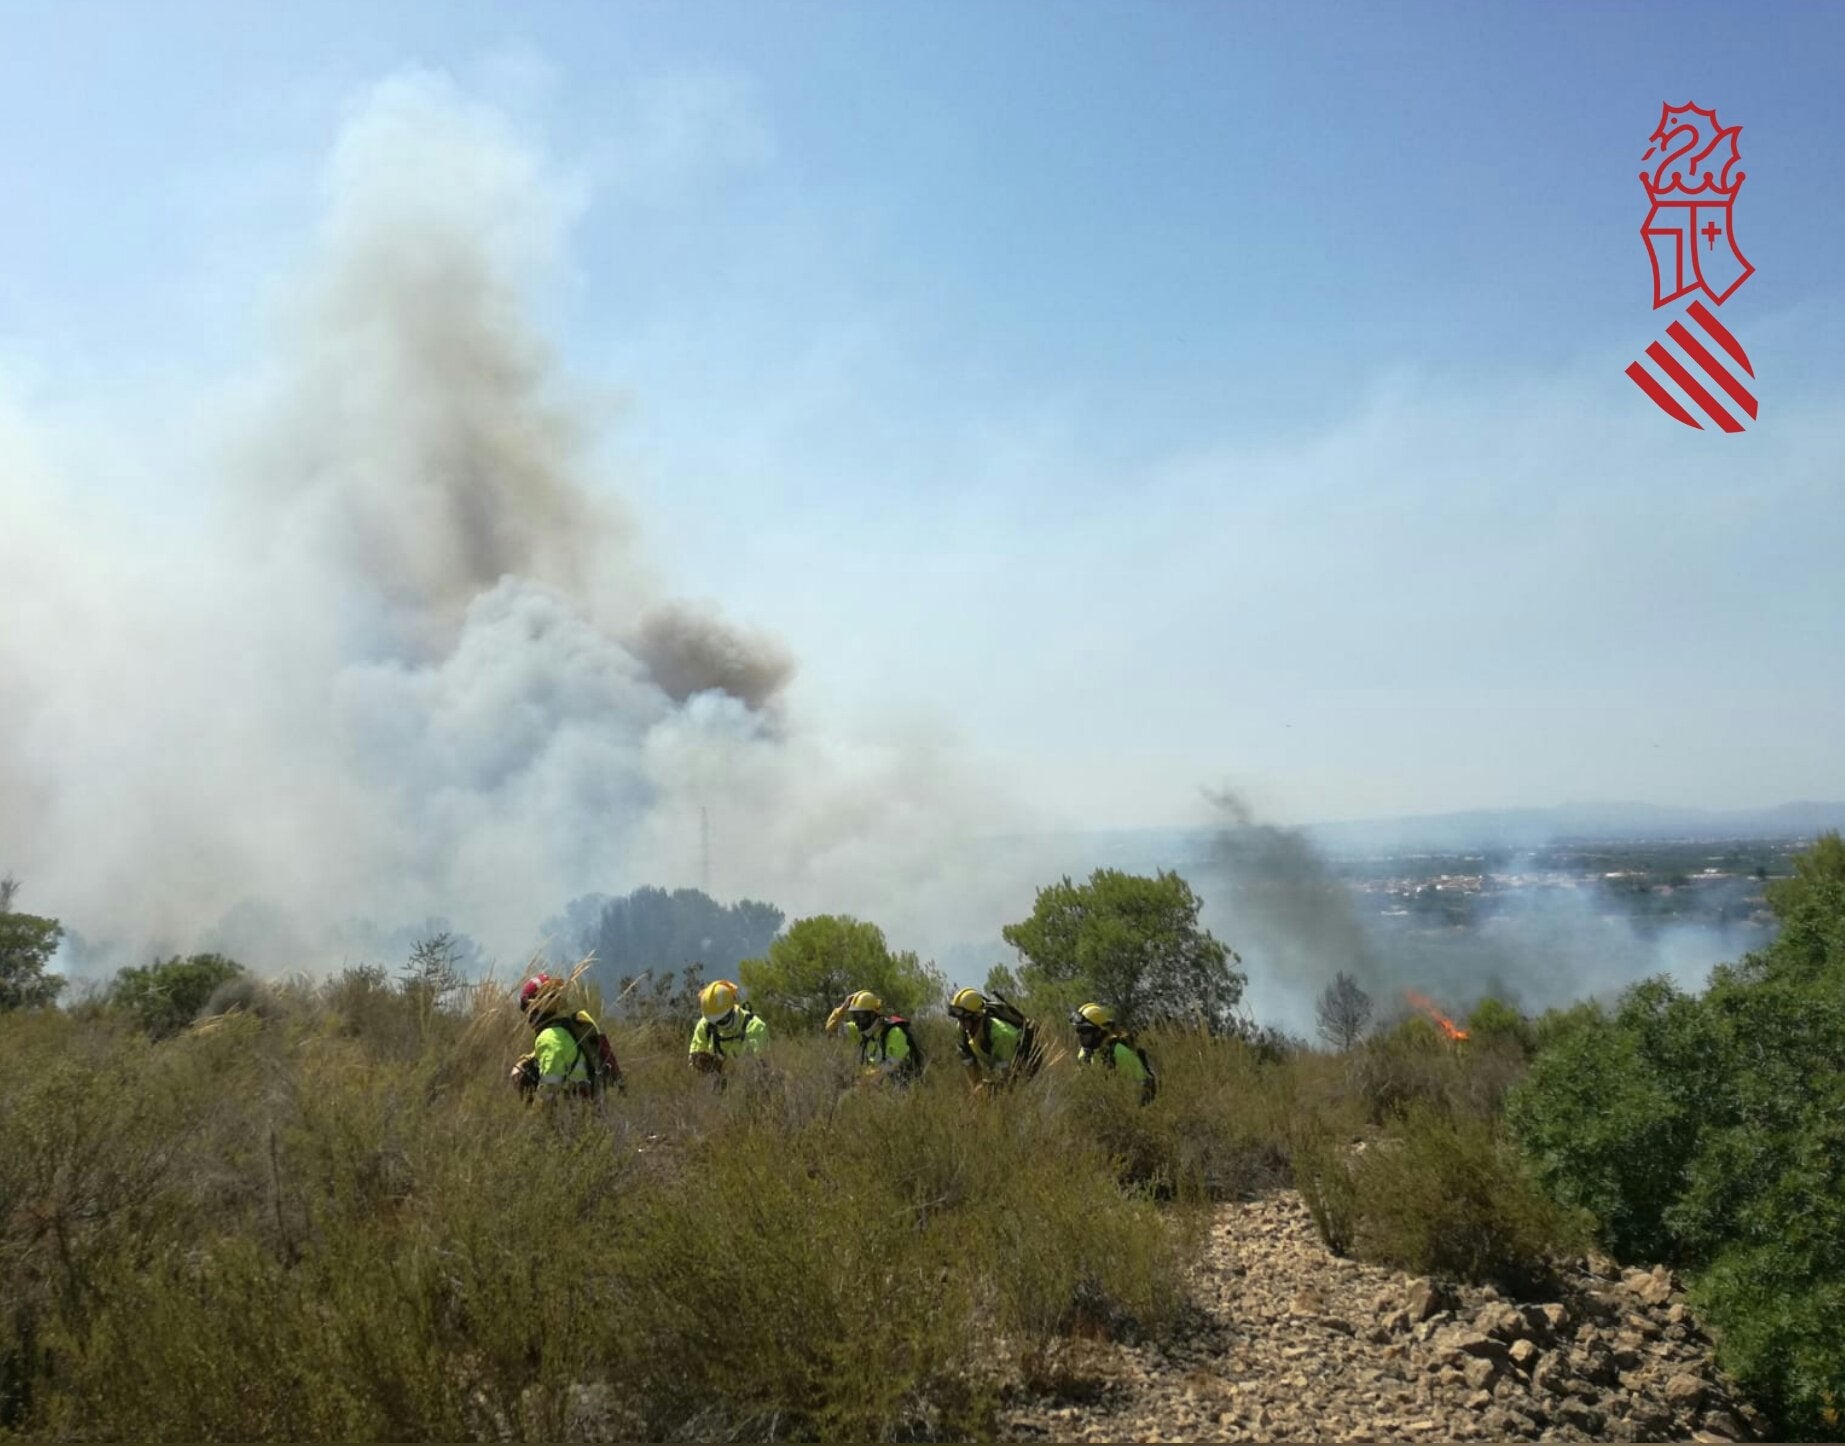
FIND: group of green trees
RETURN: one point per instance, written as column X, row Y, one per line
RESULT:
column 1133, row 941
column 1708, row 1130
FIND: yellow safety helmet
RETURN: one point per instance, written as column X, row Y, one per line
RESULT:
column 968, row 1001
column 864, row 1000
column 717, row 999
column 1100, row 1015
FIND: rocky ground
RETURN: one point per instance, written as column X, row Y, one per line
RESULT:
column 1293, row 1343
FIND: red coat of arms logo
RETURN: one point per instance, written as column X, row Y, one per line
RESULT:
column 1689, row 232
column 1690, row 237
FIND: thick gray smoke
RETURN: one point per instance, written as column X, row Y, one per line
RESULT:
column 1273, row 895
column 415, row 665
column 690, row 650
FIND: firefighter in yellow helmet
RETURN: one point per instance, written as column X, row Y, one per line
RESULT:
column 887, row 1049
column 726, row 1028
column 998, row 1043
column 1098, row 1038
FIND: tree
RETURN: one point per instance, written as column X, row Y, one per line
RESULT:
column 1710, row 1131
column 27, row 943
column 167, row 995
column 1811, row 908
column 434, row 968
column 1128, row 941
column 1343, row 1012
column 821, row 960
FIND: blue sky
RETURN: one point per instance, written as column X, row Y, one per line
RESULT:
column 1147, row 397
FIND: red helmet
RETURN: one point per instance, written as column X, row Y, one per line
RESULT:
column 528, row 991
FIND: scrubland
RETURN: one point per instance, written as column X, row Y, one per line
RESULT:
column 328, row 1216
column 322, row 1213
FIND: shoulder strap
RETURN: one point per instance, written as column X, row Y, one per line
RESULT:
column 744, row 1015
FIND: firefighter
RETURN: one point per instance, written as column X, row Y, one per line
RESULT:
column 886, row 1048
column 725, row 1029
column 1097, row 1038
column 569, row 1054
column 996, row 1044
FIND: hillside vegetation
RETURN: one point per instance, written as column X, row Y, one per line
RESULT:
column 320, row 1212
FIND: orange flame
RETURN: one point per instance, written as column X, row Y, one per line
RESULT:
column 1427, row 1006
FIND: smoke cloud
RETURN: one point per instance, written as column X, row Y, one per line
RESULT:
column 690, row 650
column 416, row 665
column 1273, row 895
column 1275, row 898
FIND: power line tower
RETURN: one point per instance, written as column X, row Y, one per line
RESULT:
column 704, row 849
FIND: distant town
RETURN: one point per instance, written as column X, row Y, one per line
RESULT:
column 1708, row 882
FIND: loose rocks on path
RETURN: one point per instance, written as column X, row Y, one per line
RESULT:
column 1296, row 1344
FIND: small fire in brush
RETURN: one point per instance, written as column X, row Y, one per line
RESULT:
column 1427, row 1006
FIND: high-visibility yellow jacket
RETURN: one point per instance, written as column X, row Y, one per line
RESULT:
column 559, row 1059
column 744, row 1034
column 1119, row 1056
column 889, row 1050
column 993, row 1047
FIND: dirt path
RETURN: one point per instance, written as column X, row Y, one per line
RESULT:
column 1295, row 1344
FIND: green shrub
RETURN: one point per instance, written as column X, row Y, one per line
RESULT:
column 1607, row 1133
column 1414, row 1066
column 1322, row 1171
column 1446, row 1196
column 1219, row 1129
column 168, row 995
column 1708, row 1131
column 1494, row 1023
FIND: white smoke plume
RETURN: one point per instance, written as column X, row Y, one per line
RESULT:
column 1272, row 893
column 416, row 665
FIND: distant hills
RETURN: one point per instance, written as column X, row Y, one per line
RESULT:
column 1527, row 827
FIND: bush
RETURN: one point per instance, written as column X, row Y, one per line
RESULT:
column 1707, row 1131
column 1608, row 1133
column 1494, row 1023
column 1322, row 1171
column 1412, row 1065
column 168, row 995
column 1446, row 1196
